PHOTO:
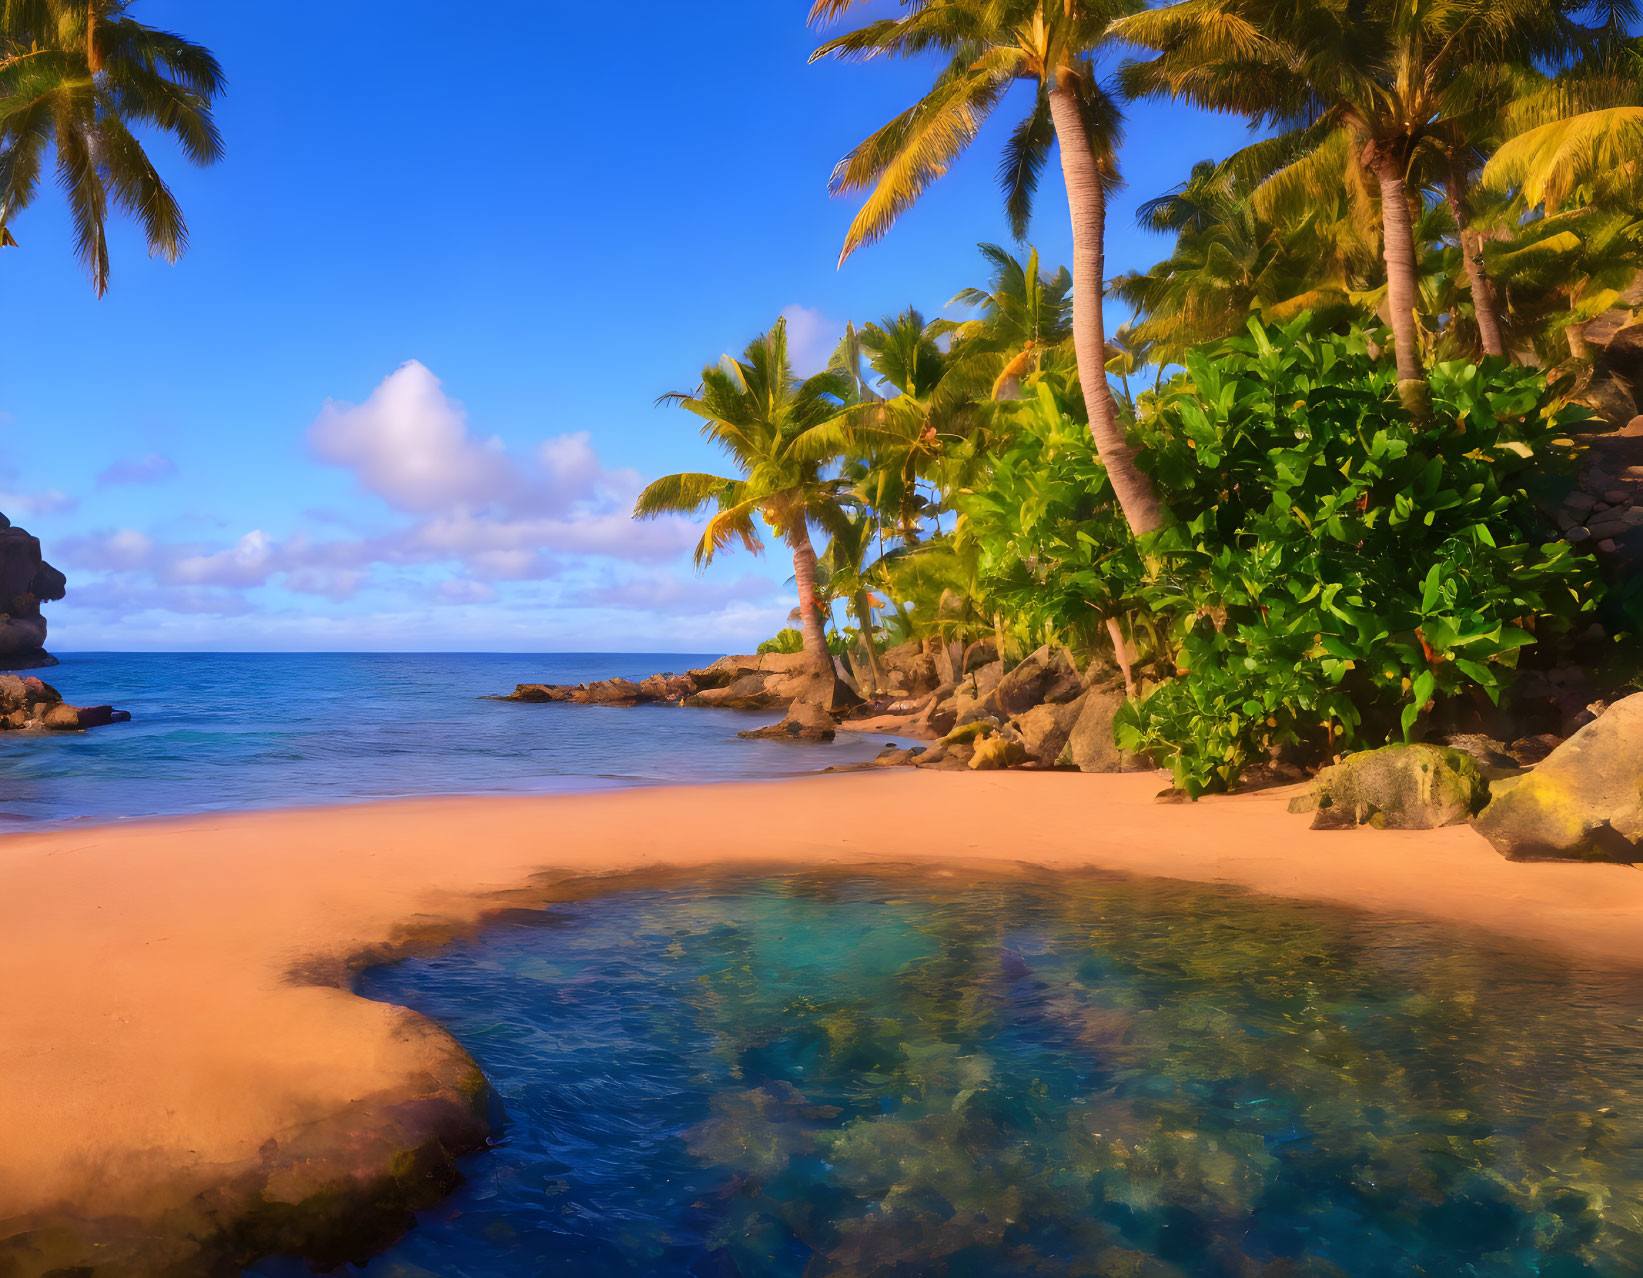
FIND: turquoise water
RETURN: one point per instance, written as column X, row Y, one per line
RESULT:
column 248, row 730
column 820, row 1074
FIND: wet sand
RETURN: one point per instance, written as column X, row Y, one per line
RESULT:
column 179, row 1052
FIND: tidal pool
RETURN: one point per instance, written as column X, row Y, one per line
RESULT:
column 806, row 1074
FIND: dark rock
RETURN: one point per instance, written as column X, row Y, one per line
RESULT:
column 26, row 581
column 983, row 652
column 804, row 722
column 1583, row 802
column 1044, row 676
column 1398, row 787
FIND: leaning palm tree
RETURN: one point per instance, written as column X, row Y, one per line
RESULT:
column 80, row 79
column 991, row 45
column 754, row 409
column 1382, row 76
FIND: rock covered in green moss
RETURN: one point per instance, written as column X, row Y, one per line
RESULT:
column 1398, row 787
column 1583, row 802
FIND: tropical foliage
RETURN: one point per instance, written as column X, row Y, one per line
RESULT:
column 1303, row 497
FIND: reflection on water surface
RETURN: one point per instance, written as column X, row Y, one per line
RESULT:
column 813, row 1074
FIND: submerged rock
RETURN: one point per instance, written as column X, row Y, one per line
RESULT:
column 1398, row 787
column 1583, row 802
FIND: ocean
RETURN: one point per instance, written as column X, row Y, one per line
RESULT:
column 213, row 731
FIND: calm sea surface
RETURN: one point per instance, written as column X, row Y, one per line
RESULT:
column 820, row 1074
column 249, row 730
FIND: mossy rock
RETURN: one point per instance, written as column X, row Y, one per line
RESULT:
column 994, row 753
column 1583, row 802
column 1398, row 787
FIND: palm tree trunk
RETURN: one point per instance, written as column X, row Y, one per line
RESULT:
column 864, row 617
column 1485, row 306
column 1398, row 248
column 804, row 573
column 1087, row 202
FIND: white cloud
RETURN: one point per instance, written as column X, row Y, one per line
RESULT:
column 148, row 469
column 50, row 502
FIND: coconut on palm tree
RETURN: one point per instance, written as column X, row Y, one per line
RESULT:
column 991, row 45
column 80, row 80
column 755, row 409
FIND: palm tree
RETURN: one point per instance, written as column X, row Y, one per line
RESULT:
column 1387, row 76
column 1022, row 319
column 77, row 77
column 755, row 409
column 990, row 45
column 1230, row 260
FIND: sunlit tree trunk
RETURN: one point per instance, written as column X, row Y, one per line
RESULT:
column 864, row 618
column 1087, row 202
column 1402, row 282
column 804, row 573
column 1485, row 306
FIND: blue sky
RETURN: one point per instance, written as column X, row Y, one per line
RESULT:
column 400, row 391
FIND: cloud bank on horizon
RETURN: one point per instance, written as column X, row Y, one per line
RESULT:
column 452, row 540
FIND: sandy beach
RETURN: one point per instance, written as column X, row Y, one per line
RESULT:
column 180, row 1054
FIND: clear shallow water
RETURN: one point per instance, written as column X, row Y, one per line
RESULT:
column 245, row 730
column 813, row 1074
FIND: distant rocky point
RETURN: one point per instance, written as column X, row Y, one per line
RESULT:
column 26, row 581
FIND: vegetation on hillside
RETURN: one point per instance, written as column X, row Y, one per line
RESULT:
column 1305, row 497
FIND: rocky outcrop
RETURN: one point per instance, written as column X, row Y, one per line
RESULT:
column 672, row 688
column 30, row 703
column 804, row 722
column 1583, row 802
column 26, row 581
column 1398, row 787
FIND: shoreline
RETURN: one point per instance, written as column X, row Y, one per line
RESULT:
column 183, row 1056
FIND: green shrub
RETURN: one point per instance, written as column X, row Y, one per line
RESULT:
column 1332, row 568
column 790, row 640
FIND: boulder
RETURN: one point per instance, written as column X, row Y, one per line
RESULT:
column 1090, row 746
column 60, row 718
column 726, row 670
column 26, row 581
column 908, row 670
column 1398, row 787
column 1044, row 676
column 994, row 753
column 983, row 652
column 747, row 692
column 1044, row 730
column 1583, row 802
column 804, row 722
column 972, row 699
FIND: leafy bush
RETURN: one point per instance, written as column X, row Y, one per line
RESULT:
column 1332, row 567
column 790, row 640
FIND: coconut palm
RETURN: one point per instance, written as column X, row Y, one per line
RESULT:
column 80, row 80
column 1021, row 319
column 1229, row 261
column 991, row 45
column 1381, row 77
column 755, row 409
